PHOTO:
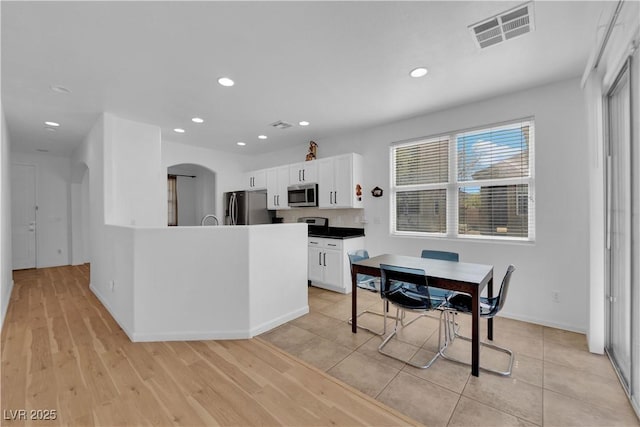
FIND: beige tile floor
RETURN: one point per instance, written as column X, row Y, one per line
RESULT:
column 555, row 380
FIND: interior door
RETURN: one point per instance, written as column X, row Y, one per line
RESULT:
column 619, row 224
column 23, row 216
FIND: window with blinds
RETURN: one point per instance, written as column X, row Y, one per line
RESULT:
column 468, row 184
column 421, row 176
column 172, row 200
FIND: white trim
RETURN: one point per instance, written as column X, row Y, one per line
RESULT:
column 266, row 326
column 541, row 322
column 191, row 336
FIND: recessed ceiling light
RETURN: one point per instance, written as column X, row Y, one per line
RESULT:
column 197, row 120
column 54, row 124
column 241, row 143
column 178, row 130
column 226, row 81
column 262, row 136
column 60, row 89
column 304, row 123
column 418, row 72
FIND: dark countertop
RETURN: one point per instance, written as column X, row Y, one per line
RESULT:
column 336, row 232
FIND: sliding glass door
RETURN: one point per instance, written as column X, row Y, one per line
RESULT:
column 622, row 228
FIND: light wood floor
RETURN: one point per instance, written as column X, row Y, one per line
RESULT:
column 62, row 351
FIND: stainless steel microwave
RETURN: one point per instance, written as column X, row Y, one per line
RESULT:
column 303, row 195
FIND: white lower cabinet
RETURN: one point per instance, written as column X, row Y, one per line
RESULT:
column 328, row 262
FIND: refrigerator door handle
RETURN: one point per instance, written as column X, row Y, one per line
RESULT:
column 234, row 216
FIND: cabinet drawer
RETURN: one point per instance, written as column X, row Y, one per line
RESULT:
column 319, row 242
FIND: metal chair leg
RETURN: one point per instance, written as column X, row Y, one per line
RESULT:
column 384, row 328
column 395, row 331
column 450, row 336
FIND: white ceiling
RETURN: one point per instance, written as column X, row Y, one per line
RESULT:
column 340, row 65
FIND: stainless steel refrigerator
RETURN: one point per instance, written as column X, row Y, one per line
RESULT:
column 246, row 208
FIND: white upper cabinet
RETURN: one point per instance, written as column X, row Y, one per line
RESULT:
column 303, row 173
column 338, row 178
column 277, row 183
column 256, row 180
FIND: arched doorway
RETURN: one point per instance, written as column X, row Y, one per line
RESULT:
column 190, row 194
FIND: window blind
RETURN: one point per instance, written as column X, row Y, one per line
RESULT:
column 493, row 176
column 421, row 171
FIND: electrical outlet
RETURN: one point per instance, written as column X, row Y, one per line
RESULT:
column 555, row 296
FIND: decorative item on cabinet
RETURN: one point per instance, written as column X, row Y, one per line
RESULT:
column 376, row 192
column 313, row 151
column 359, row 192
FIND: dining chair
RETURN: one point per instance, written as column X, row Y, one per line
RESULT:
column 489, row 308
column 369, row 283
column 438, row 292
column 407, row 290
column 444, row 256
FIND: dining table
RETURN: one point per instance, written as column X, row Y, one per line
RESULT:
column 451, row 275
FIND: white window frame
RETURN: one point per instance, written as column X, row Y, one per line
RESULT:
column 417, row 187
column 453, row 186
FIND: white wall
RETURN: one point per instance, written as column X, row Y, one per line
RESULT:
column 6, row 278
column 277, row 259
column 558, row 259
column 52, row 197
column 190, row 283
column 133, row 176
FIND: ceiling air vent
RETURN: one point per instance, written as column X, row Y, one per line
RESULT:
column 504, row 26
column 281, row 125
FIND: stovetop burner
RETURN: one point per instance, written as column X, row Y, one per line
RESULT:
column 317, row 225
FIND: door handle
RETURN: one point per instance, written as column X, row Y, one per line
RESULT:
column 335, row 197
column 303, row 174
column 325, row 259
column 274, row 200
column 319, row 258
column 331, row 197
column 278, row 199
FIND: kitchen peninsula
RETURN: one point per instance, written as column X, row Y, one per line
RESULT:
column 196, row 283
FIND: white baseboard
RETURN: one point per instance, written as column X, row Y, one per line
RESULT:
column 191, row 336
column 332, row 288
column 104, row 302
column 537, row 321
column 266, row 326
